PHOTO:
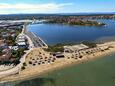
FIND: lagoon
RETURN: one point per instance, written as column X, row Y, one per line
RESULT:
column 57, row 33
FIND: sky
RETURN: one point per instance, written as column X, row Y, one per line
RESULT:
column 55, row 6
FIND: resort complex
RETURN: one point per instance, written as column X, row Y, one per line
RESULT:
column 57, row 42
column 23, row 54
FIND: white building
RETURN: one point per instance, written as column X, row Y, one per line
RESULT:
column 75, row 48
column 14, row 47
column 21, row 41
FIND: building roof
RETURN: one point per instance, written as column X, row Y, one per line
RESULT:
column 76, row 47
column 1, row 42
column 5, row 56
column 21, row 40
column 21, row 43
column 14, row 47
column 21, row 36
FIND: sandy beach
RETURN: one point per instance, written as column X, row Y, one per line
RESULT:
column 37, row 70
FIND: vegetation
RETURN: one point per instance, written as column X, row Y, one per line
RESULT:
column 87, row 23
column 15, row 57
column 58, row 47
column 24, row 64
column 50, row 16
column 1, row 52
column 18, row 53
column 15, row 62
column 77, row 22
column 89, row 44
column 23, row 67
column 55, row 48
column 10, row 41
column 30, row 62
column 6, row 34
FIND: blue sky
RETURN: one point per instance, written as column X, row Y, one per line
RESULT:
column 56, row 6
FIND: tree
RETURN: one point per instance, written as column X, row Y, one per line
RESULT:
column 14, row 54
column 23, row 68
column 1, row 52
column 24, row 64
column 89, row 44
column 21, row 51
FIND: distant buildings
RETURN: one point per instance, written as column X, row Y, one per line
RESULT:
column 3, row 45
column 5, row 52
column 11, row 42
column 6, row 55
column 7, row 32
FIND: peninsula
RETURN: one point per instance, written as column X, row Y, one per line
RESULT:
column 57, row 43
column 35, row 57
column 76, row 22
column 40, row 59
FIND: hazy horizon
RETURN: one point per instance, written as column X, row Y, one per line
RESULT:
column 56, row 6
column 81, row 13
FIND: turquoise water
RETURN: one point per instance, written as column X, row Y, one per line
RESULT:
column 57, row 33
column 100, row 72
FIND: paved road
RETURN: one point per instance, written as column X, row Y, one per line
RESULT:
column 37, row 41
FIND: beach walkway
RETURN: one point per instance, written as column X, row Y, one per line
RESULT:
column 37, row 41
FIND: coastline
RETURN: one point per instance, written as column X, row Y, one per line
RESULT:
column 61, row 63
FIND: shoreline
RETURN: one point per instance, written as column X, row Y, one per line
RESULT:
column 62, row 63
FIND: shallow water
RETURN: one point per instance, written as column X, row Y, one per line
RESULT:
column 100, row 72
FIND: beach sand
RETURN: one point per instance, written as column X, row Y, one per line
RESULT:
column 36, row 71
